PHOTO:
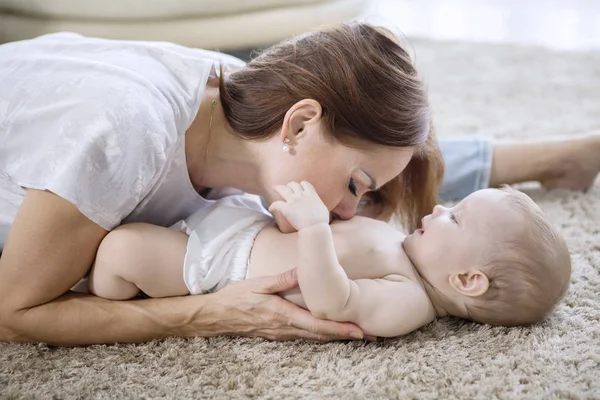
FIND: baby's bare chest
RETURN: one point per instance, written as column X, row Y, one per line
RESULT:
column 371, row 255
column 366, row 249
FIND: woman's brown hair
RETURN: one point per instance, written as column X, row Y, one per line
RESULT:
column 370, row 94
column 414, row 194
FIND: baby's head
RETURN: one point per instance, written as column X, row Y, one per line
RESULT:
column 494, row 258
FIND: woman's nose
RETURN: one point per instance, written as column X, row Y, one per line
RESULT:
column 345, row 210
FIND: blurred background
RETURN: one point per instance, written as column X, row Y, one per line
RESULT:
column 239, row 26
column 557, row 24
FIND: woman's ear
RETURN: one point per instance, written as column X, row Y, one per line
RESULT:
column 472, row 283
column 298, row 118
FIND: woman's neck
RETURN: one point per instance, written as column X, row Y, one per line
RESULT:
column 216, row 157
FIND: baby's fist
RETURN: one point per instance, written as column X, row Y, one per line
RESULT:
column 301, row 205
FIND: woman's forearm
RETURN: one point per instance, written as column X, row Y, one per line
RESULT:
column 249, row 308
column 50, row 247
column 323, row 282
column 75, row 319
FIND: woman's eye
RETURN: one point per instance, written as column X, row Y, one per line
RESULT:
column 352, row 186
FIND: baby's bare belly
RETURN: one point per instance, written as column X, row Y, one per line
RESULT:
column 368, row 256
column 274, row 253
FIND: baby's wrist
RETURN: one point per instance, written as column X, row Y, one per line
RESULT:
column 314, row 227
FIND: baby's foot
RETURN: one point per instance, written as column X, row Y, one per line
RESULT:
column 575, row 165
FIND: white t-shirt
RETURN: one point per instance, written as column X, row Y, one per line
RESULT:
column 102, row 124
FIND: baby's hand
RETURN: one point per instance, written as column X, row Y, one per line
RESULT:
column 301, row 205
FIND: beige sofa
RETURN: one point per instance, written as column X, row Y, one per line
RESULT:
column 212, row 24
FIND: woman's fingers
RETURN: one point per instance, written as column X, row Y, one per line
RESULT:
column 292, row 333
column 276, row 283
column 304, row 320
column 274, row 317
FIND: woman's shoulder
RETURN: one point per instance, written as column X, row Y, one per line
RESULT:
column 66, row 88
column 168, row 77
column 94, row 121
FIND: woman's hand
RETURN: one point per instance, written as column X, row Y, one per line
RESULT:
column 252, row 308
column 51, row 246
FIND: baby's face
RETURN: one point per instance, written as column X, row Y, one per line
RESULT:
column 458, row 239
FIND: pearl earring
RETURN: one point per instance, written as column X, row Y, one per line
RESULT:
column 286, row 145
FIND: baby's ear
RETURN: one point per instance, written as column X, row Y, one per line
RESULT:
column 472, row 283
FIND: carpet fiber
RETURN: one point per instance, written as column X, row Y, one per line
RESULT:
column 501, row 91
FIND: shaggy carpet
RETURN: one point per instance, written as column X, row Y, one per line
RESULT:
column 496, row 90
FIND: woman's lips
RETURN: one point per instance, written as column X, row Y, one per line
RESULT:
column 419, row 231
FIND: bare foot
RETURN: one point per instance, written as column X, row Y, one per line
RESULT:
column 574, row 163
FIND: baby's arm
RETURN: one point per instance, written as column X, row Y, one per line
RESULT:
column 386, row 308
column 137, row 257
column 381, row 307
column 323, row 282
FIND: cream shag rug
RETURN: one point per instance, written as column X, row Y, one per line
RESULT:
column 501, row 91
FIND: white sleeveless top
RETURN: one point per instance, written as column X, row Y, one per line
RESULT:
column 102, row 124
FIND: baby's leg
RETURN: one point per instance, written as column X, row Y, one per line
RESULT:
column 137, row 257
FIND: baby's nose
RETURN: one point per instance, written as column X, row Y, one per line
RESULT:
column 438, row 210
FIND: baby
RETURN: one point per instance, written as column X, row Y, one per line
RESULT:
column 493, row 258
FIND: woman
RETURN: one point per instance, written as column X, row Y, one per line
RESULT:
column 96, row 133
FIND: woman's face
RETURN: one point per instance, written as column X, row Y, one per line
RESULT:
column 340, row 174
column 348, row 174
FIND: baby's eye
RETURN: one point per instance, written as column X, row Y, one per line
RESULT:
column 453, row 218
column 352, row 186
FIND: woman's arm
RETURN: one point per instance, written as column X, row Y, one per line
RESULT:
column 52, row 245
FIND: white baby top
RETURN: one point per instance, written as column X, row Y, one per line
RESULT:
column 102, row 124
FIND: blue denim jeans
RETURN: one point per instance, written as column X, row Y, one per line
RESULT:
column 468, row 165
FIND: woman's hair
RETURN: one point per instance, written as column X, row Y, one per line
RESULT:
column 414, row 194
column 370, row 94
